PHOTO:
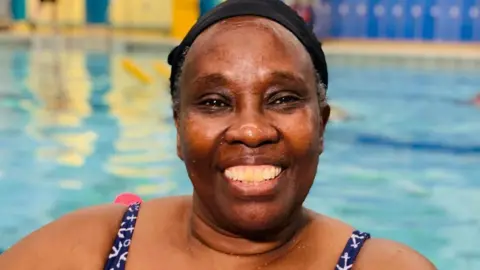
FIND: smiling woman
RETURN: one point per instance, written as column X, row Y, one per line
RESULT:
column 248, row 86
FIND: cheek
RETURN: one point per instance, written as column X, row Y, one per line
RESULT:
column 198, row 137
column 302, row 133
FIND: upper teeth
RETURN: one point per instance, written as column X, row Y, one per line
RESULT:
column 252, row 173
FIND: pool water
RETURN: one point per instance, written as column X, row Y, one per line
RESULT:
column 405, row 168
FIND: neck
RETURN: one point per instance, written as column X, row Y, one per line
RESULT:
column 214, row 237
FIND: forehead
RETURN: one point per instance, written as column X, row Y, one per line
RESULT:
column 248, row 47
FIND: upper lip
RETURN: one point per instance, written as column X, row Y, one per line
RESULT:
column 251, row 160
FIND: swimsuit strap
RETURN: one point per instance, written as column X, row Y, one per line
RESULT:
column 117, row 258
column 351, row 250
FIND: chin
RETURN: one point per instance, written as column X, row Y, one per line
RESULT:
column 257, row 219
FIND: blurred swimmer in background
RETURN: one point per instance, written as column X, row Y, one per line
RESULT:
column 476, row 100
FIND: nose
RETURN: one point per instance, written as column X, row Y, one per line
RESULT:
column 253, row 130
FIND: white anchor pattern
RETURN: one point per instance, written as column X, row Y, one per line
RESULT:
column 118, row 256
column 349, row 254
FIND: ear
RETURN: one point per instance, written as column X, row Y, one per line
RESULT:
column 177, row 126
column 325, row 116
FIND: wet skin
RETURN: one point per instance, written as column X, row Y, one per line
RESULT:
column 247, row 97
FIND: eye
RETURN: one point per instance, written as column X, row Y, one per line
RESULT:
column 213, row 103
column 285, row 100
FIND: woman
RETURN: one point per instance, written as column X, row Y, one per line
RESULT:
column 250, row 112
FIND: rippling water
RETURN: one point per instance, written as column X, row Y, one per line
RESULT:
column 405, row 168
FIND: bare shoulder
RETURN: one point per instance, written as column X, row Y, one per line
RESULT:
column 66, row 242
column 337, row 230
column 167, row 205
column 387, row 254
column 329, row 236
column 163, row 213
column 375, row 254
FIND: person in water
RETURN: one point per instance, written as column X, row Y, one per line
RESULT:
column 338, row 114
column 248, row 85
column 476, row 100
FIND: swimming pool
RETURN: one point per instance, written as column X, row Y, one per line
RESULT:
column 405, row 168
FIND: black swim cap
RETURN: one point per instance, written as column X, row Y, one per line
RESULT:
column 274, row 10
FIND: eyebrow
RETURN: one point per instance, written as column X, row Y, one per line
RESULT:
column 211, row 80
column 218, row 79
column 286, row 76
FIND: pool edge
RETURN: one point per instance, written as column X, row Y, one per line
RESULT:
column 138, row 40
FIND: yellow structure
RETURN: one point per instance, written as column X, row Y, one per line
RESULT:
column 147, row 14
column 70, row 12
column 141, row 13
column 185, row 14
column 176, row 16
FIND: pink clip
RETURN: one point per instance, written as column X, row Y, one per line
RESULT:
column 127, row 198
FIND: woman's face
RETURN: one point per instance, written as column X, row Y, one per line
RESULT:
column 250, row 129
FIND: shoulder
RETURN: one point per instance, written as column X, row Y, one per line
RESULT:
column 329, row 236
column 86, row 233
column 168, row 205
column 375, row 253
column 386, row 254
column 164, row 213
column 336, row 230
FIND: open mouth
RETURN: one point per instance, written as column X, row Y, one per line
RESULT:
column 256, row 174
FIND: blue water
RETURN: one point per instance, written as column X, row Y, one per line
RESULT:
column 405, row 169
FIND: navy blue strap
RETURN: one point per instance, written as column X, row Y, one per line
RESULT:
column 351, row 250
column 117, row 258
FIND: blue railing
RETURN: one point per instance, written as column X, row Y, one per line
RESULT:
column 442, row 20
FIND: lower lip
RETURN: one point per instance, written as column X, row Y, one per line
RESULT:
column 254, row 189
